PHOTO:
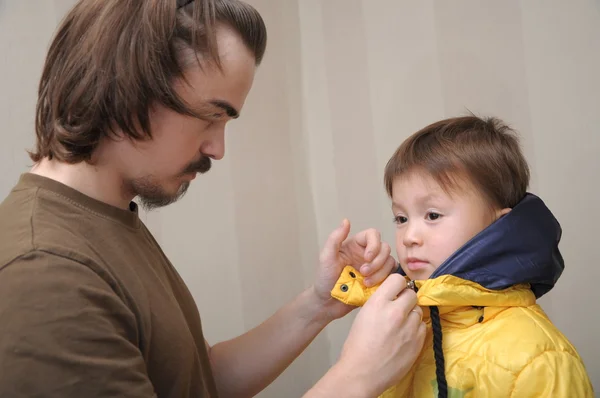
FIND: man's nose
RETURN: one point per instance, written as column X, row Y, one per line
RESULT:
column 215, row 146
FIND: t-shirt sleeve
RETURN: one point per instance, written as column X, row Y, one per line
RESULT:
column 65, row 333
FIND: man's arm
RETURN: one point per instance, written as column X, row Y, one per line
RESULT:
column 64, row 333
column 247, row 364
column 381, row 347
column 384, row 342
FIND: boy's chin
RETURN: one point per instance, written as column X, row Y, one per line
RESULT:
column 419, row 275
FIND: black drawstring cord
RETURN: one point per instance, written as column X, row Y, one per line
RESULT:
column 440, row 366
column 438, row 352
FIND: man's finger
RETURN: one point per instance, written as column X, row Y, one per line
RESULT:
column 391, row 288
column 406, row 301
column 418, row 311
column 379, row 261
column 370, row 239
column 380, row 272
column 335, row 240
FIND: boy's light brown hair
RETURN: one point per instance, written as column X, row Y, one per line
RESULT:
column 112, row 60
column 484, row 151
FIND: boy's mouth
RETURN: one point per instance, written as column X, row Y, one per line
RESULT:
column 415, row 264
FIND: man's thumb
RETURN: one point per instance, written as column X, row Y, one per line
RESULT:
column 336, row 238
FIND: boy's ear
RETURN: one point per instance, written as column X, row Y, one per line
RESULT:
column 502, row 212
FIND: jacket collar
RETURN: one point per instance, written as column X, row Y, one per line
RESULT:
column 465, row 303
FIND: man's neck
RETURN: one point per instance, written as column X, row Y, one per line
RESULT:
column 99, row 183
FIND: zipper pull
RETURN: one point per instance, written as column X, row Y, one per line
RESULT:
column 411, row 285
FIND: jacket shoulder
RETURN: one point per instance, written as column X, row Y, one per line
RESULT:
column 553, row 374
column 524, row 333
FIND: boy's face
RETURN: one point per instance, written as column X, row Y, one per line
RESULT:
column 431, row 224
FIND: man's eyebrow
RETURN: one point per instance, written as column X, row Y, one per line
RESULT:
column 227, row 107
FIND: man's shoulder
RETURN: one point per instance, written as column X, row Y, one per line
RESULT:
column 16, row 214
column 35, row 222
column 42, row 233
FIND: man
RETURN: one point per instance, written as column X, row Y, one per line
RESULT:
column 133, row 101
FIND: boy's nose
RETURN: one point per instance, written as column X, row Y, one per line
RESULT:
column 412, row 236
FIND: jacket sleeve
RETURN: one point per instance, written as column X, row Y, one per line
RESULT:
column 66, row 333
column 554, row 374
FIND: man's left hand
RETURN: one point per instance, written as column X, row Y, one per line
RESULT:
column 364, row 251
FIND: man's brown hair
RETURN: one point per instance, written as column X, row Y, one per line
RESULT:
column 111, row 60
column 485, row 151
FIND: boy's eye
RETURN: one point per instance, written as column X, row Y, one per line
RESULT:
column 400, row 219
column 433, row 216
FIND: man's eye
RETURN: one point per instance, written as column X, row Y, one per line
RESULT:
column 433, row 216
column 400, row 219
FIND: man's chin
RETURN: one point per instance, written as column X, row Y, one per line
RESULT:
column 159, row 198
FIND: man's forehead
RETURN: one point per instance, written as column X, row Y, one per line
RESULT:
column 217, row 93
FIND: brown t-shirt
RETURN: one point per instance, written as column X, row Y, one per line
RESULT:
column 89, row 304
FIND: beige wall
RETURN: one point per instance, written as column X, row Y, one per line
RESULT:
column 344, row 81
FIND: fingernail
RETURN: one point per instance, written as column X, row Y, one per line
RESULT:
column 367, row 282
column 365, row 269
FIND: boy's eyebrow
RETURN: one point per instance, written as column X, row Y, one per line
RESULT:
column 424, row 198
column 396, row 205
column 428, row 197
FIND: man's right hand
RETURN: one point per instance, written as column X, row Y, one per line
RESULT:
column 383, row 344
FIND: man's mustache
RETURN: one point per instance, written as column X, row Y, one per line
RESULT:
column 201, row 166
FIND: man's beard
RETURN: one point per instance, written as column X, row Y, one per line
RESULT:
column 152, row 195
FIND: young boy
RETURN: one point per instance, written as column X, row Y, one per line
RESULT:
column 480, row 250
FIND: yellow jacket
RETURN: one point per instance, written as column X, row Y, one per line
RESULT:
column 505, row 347
column 496, row 341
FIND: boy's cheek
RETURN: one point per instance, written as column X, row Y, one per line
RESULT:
column 399, row 254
